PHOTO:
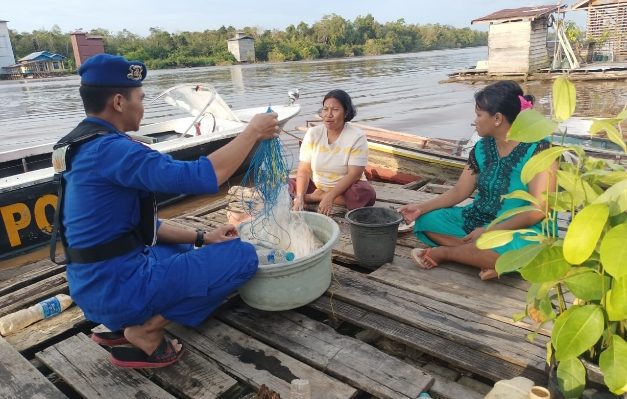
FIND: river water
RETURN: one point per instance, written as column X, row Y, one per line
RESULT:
column 397, row 92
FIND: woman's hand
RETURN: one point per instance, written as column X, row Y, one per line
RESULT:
column 326, row 204
column 410, row 212
column 221, row 233
column 474, row 235
column 299, row 203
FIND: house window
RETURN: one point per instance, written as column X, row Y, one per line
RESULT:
column 55, row 64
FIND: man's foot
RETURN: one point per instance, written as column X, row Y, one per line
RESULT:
column 109, row 338
column 422, row 259
column 131, row 357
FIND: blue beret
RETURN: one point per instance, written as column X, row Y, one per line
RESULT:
column 108, row 70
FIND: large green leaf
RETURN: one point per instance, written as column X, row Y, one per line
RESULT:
column 540, row 162
column 523, row 195
column 589, row 285
column 577, row 330
column 614, row 251
column 615, row 197
column 497, row 238
column 564, row 98
column 530, row 126
column 514, row 211
column 613, row 363
column 548, row 265
column 571, row 377
column 622, row 115
column 538, row 291
column 580, row 189
column 563, row 201
column 611, row 178
column 616, row 300
column 600, row 125
column 584, row 232
column 513, row 260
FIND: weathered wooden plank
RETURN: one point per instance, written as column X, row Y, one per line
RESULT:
column 17, row 277
column 459, row 355
column 395, row 194
column 318, row 345
column 405, row 242
column 33, row 293
column 493, row 337
column 193, row 377
column 37, row 333
column 458, row 289
column 20, row 379
column 256, row 363
column 85, row 367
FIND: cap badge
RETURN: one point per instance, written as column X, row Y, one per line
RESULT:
column 135, row 72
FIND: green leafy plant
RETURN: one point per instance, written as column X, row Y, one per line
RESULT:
column 578, row 283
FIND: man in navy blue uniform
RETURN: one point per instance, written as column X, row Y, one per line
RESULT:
column 117, row 279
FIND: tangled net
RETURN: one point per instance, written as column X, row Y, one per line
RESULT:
column 268, row 203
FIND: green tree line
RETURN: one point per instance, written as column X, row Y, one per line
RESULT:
column 332, row 36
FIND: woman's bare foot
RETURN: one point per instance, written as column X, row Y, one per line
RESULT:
column 316, row 196
column 487, row 274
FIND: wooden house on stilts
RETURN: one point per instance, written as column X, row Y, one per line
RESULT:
column 606, row 28
column 517, row 40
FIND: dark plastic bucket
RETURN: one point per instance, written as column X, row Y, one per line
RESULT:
column 373, row 232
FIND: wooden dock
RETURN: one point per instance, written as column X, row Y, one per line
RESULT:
column 388, row 333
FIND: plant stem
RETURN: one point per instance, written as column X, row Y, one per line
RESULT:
column 560, row 298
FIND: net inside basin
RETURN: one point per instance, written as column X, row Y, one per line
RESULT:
column 289, row 285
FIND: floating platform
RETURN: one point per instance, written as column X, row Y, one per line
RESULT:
column 386, row 333
column 591, row 72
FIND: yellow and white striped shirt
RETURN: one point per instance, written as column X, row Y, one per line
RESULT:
column 329, row 162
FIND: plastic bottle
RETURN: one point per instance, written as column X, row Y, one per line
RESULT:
column 299, row 389
column 271, row 256
column 43, row 310
column 516, row 388
column 538, row 392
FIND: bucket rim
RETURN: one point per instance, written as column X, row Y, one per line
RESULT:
column 353, row 222
column 335, row 235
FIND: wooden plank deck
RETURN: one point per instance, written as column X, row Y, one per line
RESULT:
column 388, row 333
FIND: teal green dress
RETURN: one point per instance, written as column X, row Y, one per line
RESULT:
column 497, row 176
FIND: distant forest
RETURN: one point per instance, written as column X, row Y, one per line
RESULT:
column 332, row 36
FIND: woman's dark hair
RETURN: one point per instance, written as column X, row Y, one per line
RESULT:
column 345, row 100
column 95, row 97
column 502, row 97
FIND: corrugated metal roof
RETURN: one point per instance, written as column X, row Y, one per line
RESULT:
column 584, row 3
column 42, row 55
column 517, row 14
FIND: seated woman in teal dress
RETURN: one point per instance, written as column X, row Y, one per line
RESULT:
column 493, row 169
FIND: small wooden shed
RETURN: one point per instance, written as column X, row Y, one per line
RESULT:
column 517, row 39
column 607, row 18
column 242, row 47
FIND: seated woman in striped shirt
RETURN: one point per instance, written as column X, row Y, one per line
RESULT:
column 333, row 157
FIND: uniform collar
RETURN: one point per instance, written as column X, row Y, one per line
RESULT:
column 101, row 122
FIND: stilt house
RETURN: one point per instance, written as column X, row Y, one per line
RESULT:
column 517, row 39
column 606, row 28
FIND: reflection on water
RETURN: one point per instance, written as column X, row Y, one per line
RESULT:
column 397, row 92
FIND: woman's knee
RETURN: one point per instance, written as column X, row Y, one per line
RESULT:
column 359, row 195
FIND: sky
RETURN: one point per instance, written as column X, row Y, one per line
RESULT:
column 138, row 16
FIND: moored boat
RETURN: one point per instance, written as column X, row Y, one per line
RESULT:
column 206, row 123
